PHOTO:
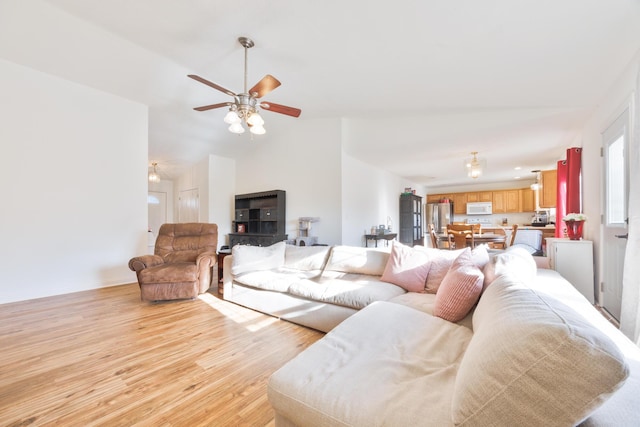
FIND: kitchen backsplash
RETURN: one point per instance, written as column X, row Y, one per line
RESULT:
column 497, row 219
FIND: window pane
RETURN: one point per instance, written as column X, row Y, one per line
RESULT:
column 616, row 182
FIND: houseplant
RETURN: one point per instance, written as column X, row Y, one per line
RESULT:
column 574, row 223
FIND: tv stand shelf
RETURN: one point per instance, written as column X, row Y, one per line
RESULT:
column 260, row 218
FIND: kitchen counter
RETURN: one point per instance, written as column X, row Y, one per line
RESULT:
column 548, row 231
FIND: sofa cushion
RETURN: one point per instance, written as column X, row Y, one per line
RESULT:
column 460, row 289
column 441, row 260
column 533, row 361
column 306, row 257
column 514, row 261
column 357, row 376
column 257, row 258
column 407, row 267
column 346, row 289
column 277, row 280
column 352, row 259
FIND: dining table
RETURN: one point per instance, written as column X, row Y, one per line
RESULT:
column 478, row 238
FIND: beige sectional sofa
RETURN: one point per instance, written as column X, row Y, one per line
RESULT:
column 532, row 352
column 315, row 286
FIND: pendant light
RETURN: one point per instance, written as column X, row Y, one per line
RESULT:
column 474, row 166
column 153, row 175
column 536, row 186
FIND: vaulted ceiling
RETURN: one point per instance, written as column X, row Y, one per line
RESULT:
column 418, row 83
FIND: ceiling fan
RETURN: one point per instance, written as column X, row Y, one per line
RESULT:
column 244, row 106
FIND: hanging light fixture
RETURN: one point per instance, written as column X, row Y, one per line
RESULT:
column 536, row 186
column 474, row 166
column 153, row 175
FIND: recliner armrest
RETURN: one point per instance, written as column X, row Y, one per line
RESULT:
column 207, row 258
column 145, row 261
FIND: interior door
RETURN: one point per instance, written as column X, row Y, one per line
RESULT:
column 189, row 206
column 616, row 194
column 157, row 210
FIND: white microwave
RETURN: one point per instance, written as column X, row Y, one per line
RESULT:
column 479, row 208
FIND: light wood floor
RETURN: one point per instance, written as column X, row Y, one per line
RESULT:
column 103, row 357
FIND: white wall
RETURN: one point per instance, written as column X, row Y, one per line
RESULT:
column 222, row 190
column 304, row 160
column 370, row 197
column 73, row 179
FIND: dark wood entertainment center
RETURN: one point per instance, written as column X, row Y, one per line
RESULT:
column 260, row 218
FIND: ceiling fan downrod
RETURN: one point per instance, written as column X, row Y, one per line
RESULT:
column 247, row 43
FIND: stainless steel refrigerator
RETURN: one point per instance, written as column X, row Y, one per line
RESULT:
column 439, row 214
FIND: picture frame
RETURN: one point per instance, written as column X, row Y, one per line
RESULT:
column 242, row 228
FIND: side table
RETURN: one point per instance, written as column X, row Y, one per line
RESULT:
column 221, row 255
column 376, row 237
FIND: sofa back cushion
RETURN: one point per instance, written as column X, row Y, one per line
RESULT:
column 256, row 258
column 515, row 262
column 407, row 267
column 307, row 258
column 533, row 361
column 353, row 259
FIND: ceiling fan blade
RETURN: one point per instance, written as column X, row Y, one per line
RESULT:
column 264, row 86
column 212, row 106
column 211, row 84
column 282, row 109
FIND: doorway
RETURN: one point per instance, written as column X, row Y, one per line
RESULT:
column 615, row 140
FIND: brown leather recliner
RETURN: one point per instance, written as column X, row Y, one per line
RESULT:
column 182, row 265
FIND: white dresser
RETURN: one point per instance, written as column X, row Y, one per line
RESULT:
column 573, row 259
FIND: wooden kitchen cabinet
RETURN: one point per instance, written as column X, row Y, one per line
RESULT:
column 512, row 201
column 527, row 200
column 480, row 196
column 460, row 203
column 433, row 198
column 506, row 201
column 499, row 202
column 549, row 181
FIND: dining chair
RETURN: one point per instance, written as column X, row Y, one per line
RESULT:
column 434, row 237
column 460, row 226
column 499, row 245
column 460, row 239
column 514, row 231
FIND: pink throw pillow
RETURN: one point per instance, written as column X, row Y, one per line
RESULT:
column 460, row 289
column 442, row 259
column 407, row 267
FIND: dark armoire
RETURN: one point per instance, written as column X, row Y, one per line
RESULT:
column 410, row 232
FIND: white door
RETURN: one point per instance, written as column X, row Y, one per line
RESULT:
column 157, row 210
column 616, row 197
column 189, row 206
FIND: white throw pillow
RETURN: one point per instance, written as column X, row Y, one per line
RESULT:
column 352, row 259
column 514, row 261
column 305, row 258
column 256, row 258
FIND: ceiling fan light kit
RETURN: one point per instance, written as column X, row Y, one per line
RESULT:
column 244, row 108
